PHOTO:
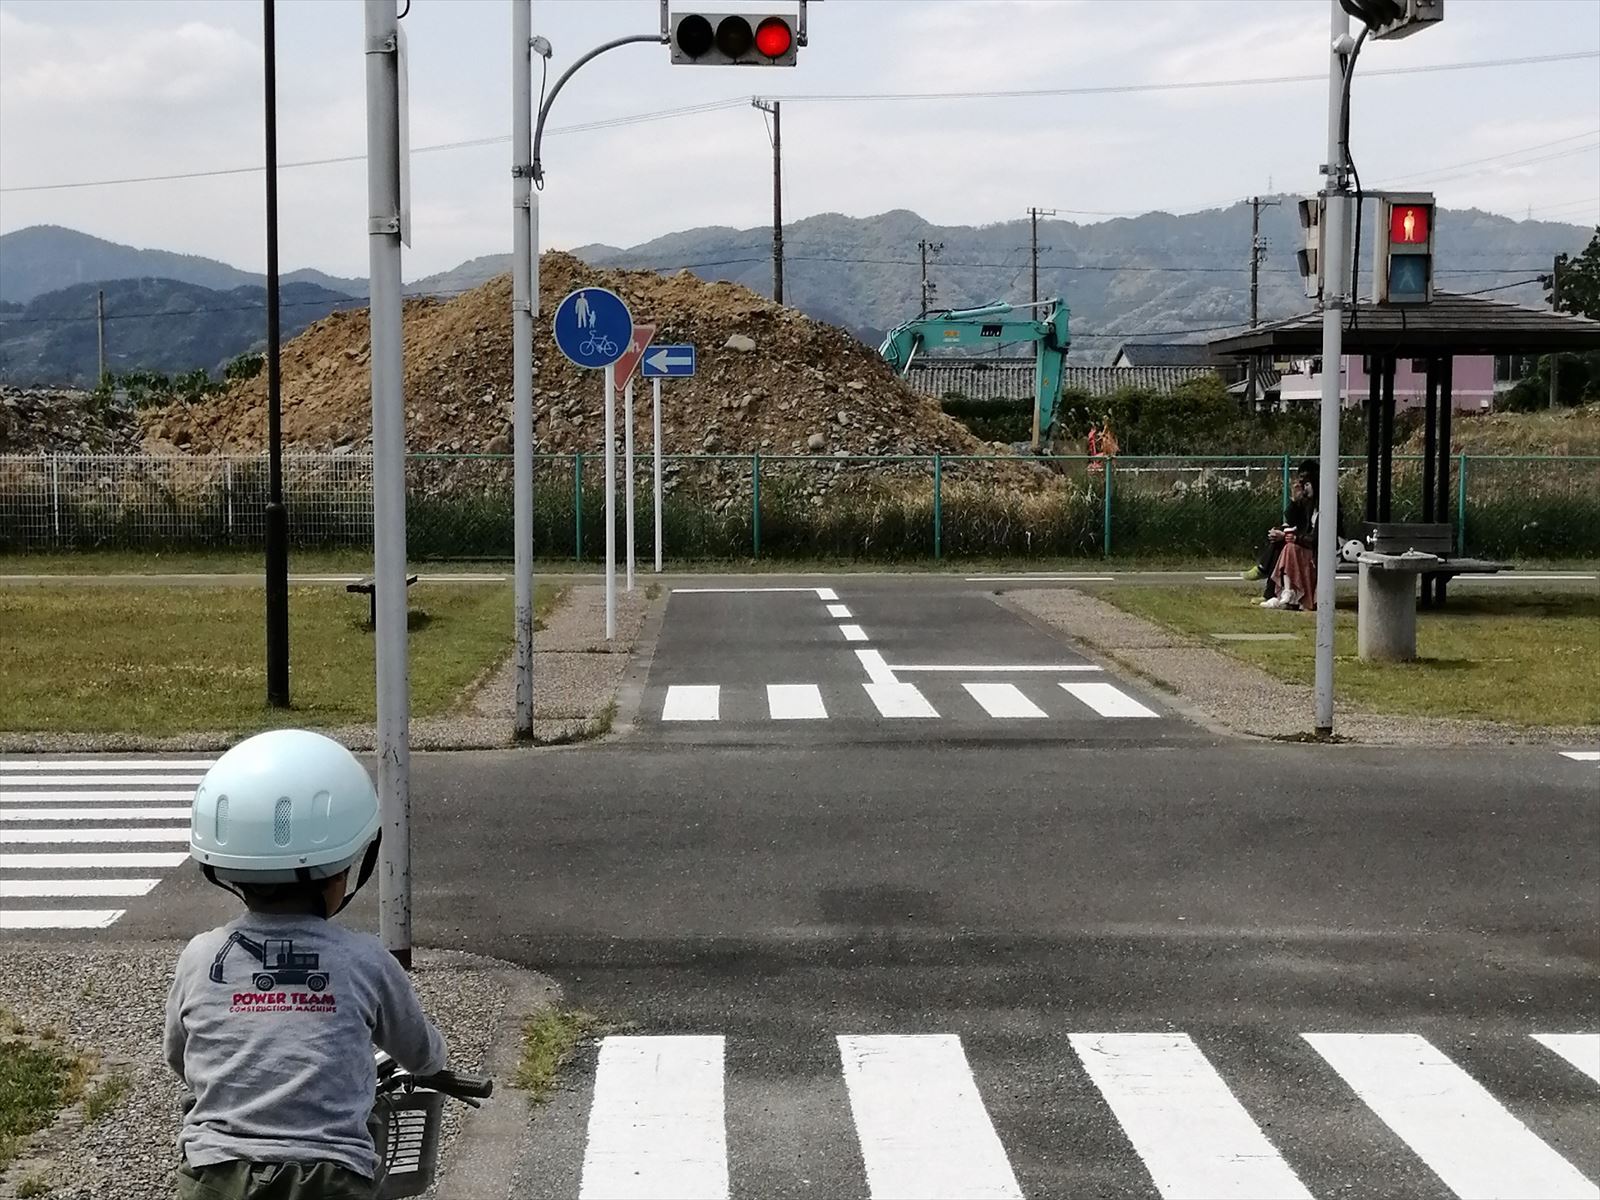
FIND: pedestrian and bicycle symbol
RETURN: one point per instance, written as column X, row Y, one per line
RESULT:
column 593, row 327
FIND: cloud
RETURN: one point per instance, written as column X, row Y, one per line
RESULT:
column 173, row 66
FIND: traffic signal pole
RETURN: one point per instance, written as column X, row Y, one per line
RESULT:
column 1336, row 273
column 388, row 475
column 524, row 309
column 277, row 521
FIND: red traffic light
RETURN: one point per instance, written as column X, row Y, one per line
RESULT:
column 774, row 38
column 1408, row 224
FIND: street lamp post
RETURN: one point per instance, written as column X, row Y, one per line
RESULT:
column 277, row 529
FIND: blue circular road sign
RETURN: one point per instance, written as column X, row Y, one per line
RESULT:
column 593, row 327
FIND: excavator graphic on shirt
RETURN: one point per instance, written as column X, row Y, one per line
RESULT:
column 280, row 964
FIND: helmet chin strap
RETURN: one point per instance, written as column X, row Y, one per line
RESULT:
column 369, row 863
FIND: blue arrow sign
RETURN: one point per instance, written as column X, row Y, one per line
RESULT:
column 593, row 327
column 667, row 362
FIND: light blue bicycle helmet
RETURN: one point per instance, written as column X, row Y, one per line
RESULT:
column 284, row 807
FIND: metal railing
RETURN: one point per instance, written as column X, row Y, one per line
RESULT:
column 739, row 506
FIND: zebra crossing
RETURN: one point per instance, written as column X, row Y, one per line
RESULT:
column 1583, row 756
column 78, row 836
column 1034, row 700
column 659, row 1124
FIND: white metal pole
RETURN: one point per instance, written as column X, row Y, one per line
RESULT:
column 627, row 472
column 523, row 303
column 1336, row 272
column 655, row 442
column 611, row 501
column 388, row 468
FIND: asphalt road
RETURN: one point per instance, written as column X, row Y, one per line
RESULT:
column 917, row 661
column 1083, row 955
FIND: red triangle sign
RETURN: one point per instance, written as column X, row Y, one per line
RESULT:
column 629, row 362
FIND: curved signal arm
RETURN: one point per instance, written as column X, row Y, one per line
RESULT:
column 544, row 109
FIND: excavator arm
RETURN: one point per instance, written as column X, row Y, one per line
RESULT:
column 999, row 324
column 236, row 939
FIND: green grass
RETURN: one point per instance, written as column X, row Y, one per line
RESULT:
column 37, row 1080
column 33, row 1186
column 163, row 661
column 548, row 1042
column 1524, row 657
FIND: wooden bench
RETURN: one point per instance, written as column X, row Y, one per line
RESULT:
column 1397, row 537
column 368, row 587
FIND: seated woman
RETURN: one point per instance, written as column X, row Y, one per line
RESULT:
column 1301, row 519
column 1294, row 576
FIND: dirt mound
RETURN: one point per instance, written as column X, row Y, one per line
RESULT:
column 803, row 388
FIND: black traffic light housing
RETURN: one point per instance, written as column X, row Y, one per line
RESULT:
column 741, row 39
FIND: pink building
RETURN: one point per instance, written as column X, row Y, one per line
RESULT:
column 1475, row 382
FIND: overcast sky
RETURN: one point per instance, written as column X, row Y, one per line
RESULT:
column 106, row 89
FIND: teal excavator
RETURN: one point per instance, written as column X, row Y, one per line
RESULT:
column 998, row 324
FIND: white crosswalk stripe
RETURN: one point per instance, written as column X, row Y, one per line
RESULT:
column 1003, row 700
column 1582, row 1050
column 1195, row 1138
column 659, row 1125
column 950, row 1151
column 656, row 1128
column 73, row 829
column 1466, row 1136
column 947, row 696
column 1583, row 756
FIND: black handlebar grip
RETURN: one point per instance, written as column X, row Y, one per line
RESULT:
column 477, row 1087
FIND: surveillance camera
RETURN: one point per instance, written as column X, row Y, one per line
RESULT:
column 540, row 46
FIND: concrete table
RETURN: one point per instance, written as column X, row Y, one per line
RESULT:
column 1386, row 612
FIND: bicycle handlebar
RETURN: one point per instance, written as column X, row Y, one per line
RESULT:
column 462, row 1087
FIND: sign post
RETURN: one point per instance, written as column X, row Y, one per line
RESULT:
column 625, row 367
column 664, row 362
column 655, row 454
column 594, row 329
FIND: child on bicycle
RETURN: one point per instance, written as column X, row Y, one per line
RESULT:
column 272, row 1018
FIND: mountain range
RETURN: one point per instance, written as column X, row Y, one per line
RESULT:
column 1157, row 276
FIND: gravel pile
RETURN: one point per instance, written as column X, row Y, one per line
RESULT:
column 65, row 421
column 107, row 999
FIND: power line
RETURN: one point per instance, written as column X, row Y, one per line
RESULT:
column 1189, row 85
column 832, row 97
column 465, row 144
column 1471, row 162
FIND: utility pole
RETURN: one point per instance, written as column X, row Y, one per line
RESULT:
column 277, row 524
column 388, row 474
column 100, row 318
column 524, row 309
column 776, row 138
column 1033, row 217
column 1258, row 249
column 1336, row 271
column 927, row 248
column 1555, row 306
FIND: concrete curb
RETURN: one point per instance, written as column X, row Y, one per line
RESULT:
column 483, row 1160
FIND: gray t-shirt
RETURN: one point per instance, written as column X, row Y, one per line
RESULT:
column 271, row 1022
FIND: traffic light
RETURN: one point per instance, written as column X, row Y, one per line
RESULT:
column 1395, row 18
column 1402, row 270
column 734, row 39
column 1309, row 256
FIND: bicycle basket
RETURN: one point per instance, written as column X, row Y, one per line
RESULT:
column 408, row 1148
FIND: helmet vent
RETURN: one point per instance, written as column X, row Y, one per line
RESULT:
column 222, row 821
column 280, row 820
